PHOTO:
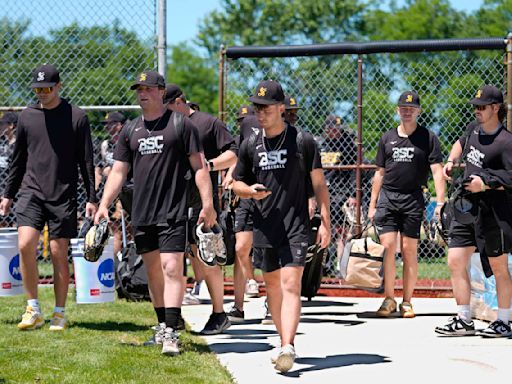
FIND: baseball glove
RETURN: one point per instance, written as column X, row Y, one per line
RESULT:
column 95, row 241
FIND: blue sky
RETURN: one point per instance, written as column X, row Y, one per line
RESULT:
column 183, row 17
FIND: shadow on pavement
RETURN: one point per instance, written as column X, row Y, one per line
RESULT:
column 336, row 361
column 234, row 347
column 313, row 304
column 343, row 322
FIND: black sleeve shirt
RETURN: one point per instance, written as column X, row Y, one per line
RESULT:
column 407, row 160
column 50, row 146
column 160, row 165
column 282, row 217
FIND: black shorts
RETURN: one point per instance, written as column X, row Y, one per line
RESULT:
column 243, row 216
column 400, row 212
column 496, row 243
column 167, row 238
column 272, row 259
column 60, row 215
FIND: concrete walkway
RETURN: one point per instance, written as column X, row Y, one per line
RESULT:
column 340, row 341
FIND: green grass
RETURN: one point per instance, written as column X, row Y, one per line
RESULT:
column 436, row 269
column 102, row 345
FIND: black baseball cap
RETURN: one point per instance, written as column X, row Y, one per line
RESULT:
column 8, row 118
column 45, row 75
column 409, row 99
column 194, row 106
column 172, row 92
column 114, row 117
column 333, row 121
column 243, row 111
column 268, row 92
column 149, row 79
column 487, row 94
column 290, row 103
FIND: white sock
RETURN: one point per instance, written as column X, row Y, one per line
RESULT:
column 504, row 315
column 464, row 312
column 34, row 303
column 59, row 310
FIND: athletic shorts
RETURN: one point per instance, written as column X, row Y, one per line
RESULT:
column 60, row 215
column 400, row 212
column 167, row 238
column 243, row 216
column 496, row 243
column 272, row 259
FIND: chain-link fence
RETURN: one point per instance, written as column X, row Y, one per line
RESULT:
column 98, row 46
column 326, row 89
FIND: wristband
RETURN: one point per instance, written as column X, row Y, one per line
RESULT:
column 439, row 204
column 449, row 161
column 210, row 165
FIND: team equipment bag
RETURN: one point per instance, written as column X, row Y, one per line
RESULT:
column 362, row 263
column 95, row 240
column 131, row 275
column 313, row 269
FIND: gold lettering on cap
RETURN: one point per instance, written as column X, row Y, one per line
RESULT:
column 142, row 77
column 262, row 92
column 479, row 94
column 409, row 99
column 338, row 121
column 244, row 111
column 292, row 101
column 106, row 116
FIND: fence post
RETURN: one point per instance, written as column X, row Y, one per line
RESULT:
column 162, row 41
column 359, row 142
column 509, row 81
column 222, row 58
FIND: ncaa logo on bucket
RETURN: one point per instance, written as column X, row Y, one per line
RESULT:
column 106, row 273
column 14, row 267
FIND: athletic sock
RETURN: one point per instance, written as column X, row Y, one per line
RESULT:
column 464, row 312
column 34, row 303
column 160, row 314
column 504, row 315
column 171, row 317
column 59, row 310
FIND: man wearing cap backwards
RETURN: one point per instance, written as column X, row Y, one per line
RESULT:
column 404, row 157
column 113, row 123
column 276, row 178
column 160, row 161
column 217, row 144
column 487, row 149
column 53, row 139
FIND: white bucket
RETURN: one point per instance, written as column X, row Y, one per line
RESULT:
column 94, row 282
column 10, row 273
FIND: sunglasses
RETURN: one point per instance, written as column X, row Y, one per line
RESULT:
column 45, row 90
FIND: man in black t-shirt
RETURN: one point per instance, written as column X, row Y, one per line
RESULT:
column 270, row 171
column 486, row 148
column 161, row 159
column 217, row 144
column 404, row 157
column 113, row 123
column 53, row 139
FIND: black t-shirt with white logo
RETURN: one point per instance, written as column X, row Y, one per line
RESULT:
column 488, row 151
column 406, row 160
column 160, row 164
column 282, row 217
column 215, row 139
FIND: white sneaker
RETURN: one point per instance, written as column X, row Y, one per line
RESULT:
column 190, row 299
column 252, row 288
column 31, row 319
column 273, row 358
column 207, row 245
column 58, row 322
column 285, row 359
column 171, row 342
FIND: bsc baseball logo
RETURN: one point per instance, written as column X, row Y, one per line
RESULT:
column 106, row 273
column 150, row 145
column 14, row 267
column 272, row 159
column 403, row 155
column 475, row 157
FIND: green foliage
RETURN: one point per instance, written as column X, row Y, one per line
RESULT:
column 102, row 345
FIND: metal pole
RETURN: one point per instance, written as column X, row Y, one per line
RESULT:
column 359, row 142
column 509, row 81
column 162, row 37
column 222, row 57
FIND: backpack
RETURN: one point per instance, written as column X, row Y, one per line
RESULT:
column 313, row 269
column 251, row 145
